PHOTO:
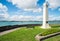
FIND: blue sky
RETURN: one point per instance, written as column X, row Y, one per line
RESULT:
column 28, row 10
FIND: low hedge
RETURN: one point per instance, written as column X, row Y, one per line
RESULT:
column 49, row 31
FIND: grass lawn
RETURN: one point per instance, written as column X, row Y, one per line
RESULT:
column 23, row 34
column 55, row 38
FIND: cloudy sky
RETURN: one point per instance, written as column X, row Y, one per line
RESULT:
column 28, row 10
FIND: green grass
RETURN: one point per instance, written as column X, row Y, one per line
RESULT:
column 55, row 38
column 23, row 34
column 49, row 31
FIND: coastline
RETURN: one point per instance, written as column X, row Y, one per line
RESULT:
column 4, row 28
column 9, row 27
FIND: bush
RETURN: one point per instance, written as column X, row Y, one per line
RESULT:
column 49, row 31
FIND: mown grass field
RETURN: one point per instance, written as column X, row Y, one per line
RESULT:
column 25, row 34
column 55, row 38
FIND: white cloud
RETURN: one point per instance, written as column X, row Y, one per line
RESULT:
column 25, row 18
column 24, row 3
column 3, row 12
column 54, row 3
column 53, row 17
column 57, row 18
column 18, row 18
column 34, row 10
column 4, row 15
column 39, row 18
column 3, row 8
column 27, row 4
column 31, row 18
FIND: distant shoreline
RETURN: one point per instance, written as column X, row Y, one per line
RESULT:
column 27, row 21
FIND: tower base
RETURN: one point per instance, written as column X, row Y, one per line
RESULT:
column 45, row 27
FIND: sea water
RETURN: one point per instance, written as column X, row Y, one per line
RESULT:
column 6, row 23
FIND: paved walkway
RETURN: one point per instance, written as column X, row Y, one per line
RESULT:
column 8, row 31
